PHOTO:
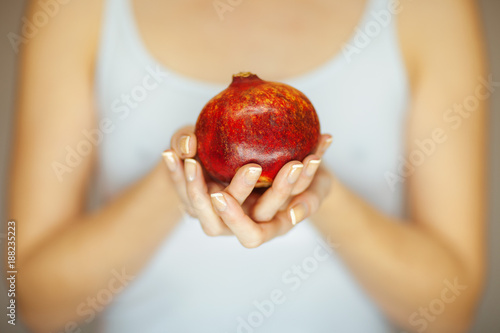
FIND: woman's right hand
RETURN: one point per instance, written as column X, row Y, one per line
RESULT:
column 194, row 187
column 179, row 160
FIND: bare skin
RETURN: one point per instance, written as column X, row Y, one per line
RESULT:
column 401, row 265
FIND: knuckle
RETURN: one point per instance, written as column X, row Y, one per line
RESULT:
column 252, row 243
column 300, row 187
column 285, row 225
column 177, row 177
column 197, row 200
column 211, row 231
column 191, row 212
column 185, row 207
column 282, row 193
column 263, row 216
column 312, row 202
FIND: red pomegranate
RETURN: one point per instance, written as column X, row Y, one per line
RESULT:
column 255, row 121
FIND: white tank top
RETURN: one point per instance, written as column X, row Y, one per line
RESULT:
column 195, row 283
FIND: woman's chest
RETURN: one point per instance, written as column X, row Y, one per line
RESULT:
column 210, row 40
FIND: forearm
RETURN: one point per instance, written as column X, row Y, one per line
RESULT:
column 401, row 265
column 79, row 261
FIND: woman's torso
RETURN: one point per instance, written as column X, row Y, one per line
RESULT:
column 277, row 39
column 196, row 283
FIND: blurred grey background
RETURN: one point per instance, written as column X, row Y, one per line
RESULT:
column 488, row 320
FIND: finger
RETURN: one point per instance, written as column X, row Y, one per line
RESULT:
column 308, row 202
column 184, row 142
column 250, row 202
column 311, row 165
column 214, row 186
column 249, row 233
column 199, row 200
column 274, row 197
column 176, row 172
column 244, row 182
column 324, row 142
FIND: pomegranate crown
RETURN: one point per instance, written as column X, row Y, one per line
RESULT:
column 244, row 76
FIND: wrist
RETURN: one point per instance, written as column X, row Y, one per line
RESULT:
column 333, row 206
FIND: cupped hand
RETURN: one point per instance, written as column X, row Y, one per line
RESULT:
column 296, row 193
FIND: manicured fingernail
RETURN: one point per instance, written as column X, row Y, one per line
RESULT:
column 294, row 173
column 298, row 213
column 312, row 166
column 169, row 159
column 219, row 201
column 190, row 169
column 184, row 144
column 252, row 175
column 327, row 144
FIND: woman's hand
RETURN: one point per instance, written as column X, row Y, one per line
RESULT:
column 295, row 194
column 251, row 233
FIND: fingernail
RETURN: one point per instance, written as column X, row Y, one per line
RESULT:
column 294, row 174
column 169, row 159
column 312, row 166
column 327, row 144
column 190, row 169
column 298, row 213
column 184, row 144
column 219, row 201
column 252, row 175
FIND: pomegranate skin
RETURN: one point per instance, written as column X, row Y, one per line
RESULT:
column 255, row 121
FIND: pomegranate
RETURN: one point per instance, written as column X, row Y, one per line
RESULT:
column 255, row 121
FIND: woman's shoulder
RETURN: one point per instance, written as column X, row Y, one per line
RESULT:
column 68, row 26
column 444, row 34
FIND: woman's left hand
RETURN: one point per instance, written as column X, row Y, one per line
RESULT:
column 251, row 230
column 296, row 193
